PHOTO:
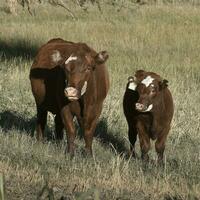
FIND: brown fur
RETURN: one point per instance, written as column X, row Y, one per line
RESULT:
column 154, row 124
column 48, row 85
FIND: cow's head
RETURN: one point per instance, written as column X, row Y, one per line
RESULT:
column 78, row 68
column 149, row 87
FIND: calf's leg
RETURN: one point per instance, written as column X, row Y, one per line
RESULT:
column 160, row 144
column 144, row 141
column 132, row 135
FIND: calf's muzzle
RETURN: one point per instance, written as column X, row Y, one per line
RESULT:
column 143, row 108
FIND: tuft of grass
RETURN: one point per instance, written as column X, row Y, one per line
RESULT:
column 2, row 194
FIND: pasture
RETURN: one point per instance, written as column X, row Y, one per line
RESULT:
column 163, row 38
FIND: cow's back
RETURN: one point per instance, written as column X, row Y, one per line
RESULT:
column 45, row 63
column 47, row 77
column 52, row 54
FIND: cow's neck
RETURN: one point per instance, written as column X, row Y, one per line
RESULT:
column 91, row 94
column 158, row 108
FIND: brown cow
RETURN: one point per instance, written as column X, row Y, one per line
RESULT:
column 69, row 79
column 148, row 108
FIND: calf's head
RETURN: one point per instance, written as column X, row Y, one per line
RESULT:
column 149, row 86
column 78, row 69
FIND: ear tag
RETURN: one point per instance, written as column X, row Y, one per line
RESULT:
column 149, row 108
column 71, row 58
column 83, row 90
column 132, row 86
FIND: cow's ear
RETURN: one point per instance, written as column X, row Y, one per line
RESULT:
column 101, row 57
column 130, row 79
column 139, row 72
column 163, row 84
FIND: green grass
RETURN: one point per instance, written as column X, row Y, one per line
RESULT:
column 160, row 38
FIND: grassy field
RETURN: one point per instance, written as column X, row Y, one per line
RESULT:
column 160, row 38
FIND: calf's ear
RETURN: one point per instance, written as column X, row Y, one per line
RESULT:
column 139, row 74
column 163, row 84
column 101, row 57
column 130, row 79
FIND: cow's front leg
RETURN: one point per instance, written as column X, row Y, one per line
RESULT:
column 144, row 141
column 90, row 121
column 67, row 119
column 160, row 144
column 88, row 135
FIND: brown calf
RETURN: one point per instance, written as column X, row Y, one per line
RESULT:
column 148, row 108
column 70, row 80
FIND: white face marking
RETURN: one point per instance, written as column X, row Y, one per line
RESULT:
column 70, row 59
column 83, row 90
column 132, row 86
column 56, row 57
column 147, row 81
column 149, row 108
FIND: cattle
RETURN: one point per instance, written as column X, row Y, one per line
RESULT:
column 69, row 80
column 148, row 108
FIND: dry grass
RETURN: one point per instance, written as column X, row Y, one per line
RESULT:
column 159, row 38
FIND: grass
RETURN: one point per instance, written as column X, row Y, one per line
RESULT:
column 160, row 38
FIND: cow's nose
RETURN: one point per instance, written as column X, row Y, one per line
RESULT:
column 71, row 92
column 139, row 106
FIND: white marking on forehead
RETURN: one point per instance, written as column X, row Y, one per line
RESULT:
column 70, row 59
column 132, row 86
column 56, row 57
column 83, row 90
column 147, row 81
column 149, row 108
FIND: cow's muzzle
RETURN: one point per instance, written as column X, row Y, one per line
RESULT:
column 143, row 108
column 73, row 94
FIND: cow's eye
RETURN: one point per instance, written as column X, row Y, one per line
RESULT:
column 88, row 68
column 153, row 90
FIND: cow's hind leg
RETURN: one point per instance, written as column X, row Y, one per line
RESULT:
column 58, row 127
column 132, row 135
column 41, row 122
column 144, row 141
